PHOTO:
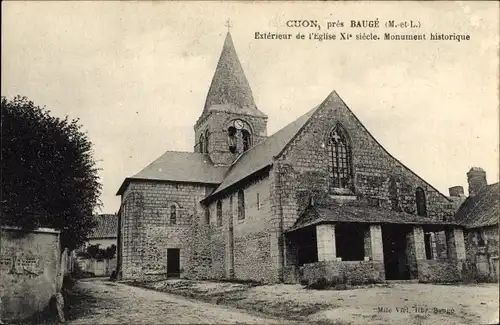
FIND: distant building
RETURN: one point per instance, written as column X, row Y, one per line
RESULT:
column 319, row 198
column 479, row 214
column 104, row 235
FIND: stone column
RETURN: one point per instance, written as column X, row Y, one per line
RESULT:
column 373, row 243
column 325, row 241
column 415, row 249
column 455, row 243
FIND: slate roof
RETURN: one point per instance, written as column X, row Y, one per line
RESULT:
column 229, row 84
column 180, row 166
column 314, row 215
column 481, row 210
column 261, row 155
column 107, row 226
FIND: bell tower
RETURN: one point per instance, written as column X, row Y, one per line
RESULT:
column 230, row 123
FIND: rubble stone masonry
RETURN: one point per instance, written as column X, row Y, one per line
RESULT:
column 146, row 231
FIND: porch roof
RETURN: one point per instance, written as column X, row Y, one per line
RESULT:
column 314, row 215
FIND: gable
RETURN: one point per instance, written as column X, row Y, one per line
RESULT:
column 374, row 168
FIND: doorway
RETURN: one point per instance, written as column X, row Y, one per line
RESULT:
column 173, row 262
column 396, row 262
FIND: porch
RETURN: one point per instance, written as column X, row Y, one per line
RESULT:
column 366, row 245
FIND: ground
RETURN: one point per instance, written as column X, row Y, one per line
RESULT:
column 101, row 301
column 394, row 303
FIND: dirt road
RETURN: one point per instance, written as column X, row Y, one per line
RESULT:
column 104, row 302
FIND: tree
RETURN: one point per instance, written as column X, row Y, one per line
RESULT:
column 49, row 175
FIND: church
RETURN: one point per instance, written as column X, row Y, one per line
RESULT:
column 318, row 200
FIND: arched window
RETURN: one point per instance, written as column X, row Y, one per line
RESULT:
column 247, row 140
column 207, row 147
column 202, row 142
column 340, row 159
column 219, row 213
column 420, row 200
column 207, row 215
column 231, row 139
column 173, row 214
column 393, row 194
column 241, row 205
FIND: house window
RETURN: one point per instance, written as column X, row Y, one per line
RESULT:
column 206, row 147
column 340, row 159
column 219, row 213
column 420, row 200
column 246, row 140
column 480, row 239
column 241, row 205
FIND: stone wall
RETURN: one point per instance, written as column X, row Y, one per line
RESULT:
column 348, row 272
column 29, row 271
column 374, row 169
column 146, row 230
column 251, row 235
column 482, row 258
column 439, row 270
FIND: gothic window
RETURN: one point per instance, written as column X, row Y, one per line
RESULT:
column 231, row 138
column 202, row 146
column 246, row 140
column 420, row 200
column 241, row 205
column 219, row 213
column 173, row 214
column 340, row 159
column 206, row 146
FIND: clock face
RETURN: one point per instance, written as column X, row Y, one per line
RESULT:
column 238, row 124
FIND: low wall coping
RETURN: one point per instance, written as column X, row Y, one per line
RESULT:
column 43, row 230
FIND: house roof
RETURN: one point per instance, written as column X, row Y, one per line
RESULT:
column 262, row 154
column 229, row 84
column 359, row 214
column 481, row 210
column 193, row 167
column 107, row 226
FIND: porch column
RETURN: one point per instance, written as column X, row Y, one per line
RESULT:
column 373, row 243
column 415, row 249
column 325, row 241
column 455, row 243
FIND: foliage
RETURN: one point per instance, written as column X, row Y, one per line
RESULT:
column 49, row 175
column 94, row 251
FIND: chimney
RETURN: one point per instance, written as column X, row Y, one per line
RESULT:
column 477, row 180
column 456, row 191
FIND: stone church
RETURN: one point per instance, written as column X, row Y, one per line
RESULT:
column 320, row 198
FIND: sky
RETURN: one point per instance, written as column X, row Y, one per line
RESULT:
column 137, row 75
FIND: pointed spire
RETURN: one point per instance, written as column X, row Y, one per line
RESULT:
column 229, row 84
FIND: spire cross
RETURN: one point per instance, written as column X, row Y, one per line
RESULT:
column 228, row 25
